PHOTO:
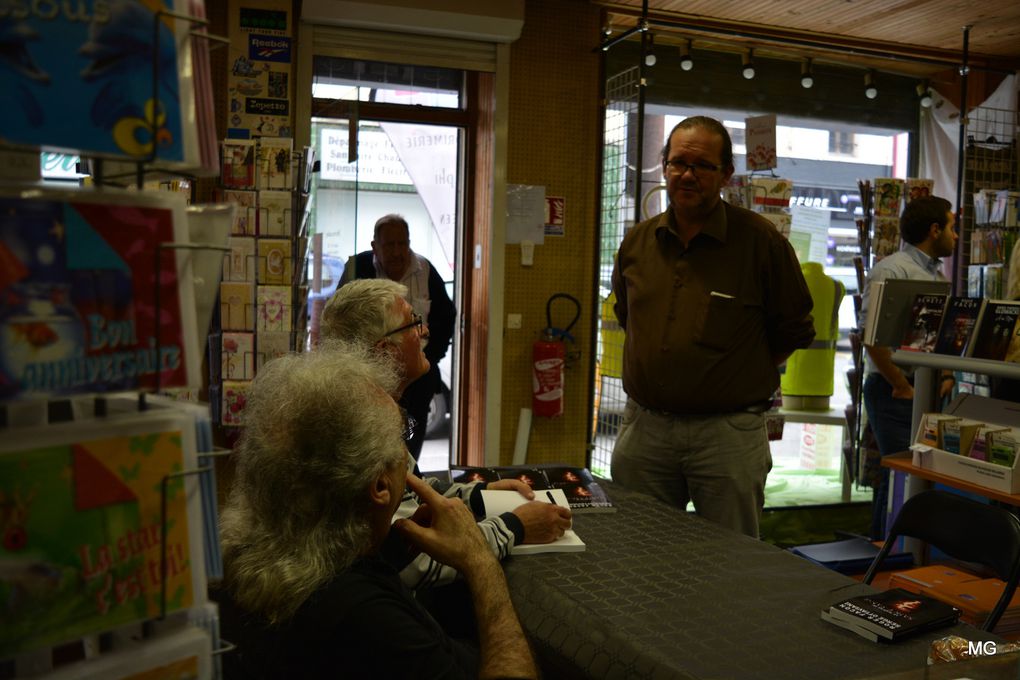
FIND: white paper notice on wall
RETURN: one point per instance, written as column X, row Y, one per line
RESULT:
column 525, row 213
column 809, row 233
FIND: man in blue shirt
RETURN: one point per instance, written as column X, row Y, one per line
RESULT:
column 927, row 227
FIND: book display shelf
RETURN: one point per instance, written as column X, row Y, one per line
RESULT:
column 107, row 496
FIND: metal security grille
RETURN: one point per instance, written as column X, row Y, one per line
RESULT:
column 617, row 214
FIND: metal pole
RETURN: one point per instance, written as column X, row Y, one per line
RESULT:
column 961, row 156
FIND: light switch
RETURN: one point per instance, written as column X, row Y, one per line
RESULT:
column 527, row 253
column 513, row 321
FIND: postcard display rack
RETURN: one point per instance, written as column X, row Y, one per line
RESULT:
column 263, row 294
column 990, row 225
column 878, row 235
column 107, row 500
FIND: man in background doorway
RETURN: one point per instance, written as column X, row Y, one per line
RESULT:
column 928, row 231
column 391, row 257
column 713, row 300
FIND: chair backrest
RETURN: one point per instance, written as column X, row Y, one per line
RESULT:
column 962, row 528
column 966, row 530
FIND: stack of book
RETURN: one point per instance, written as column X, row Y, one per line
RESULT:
column 891, row 616
column 582, row 492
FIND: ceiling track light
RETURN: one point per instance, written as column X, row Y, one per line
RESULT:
column 924, row 94
column 807, row 78
column 870, row 91
column 686, row 61
column 747, row 61
column 649, row 51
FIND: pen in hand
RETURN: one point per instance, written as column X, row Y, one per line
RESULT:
column 551, row 498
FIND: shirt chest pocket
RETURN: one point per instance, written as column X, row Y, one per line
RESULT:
column 719, row 320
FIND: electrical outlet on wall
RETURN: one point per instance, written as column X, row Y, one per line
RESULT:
column 513, row 321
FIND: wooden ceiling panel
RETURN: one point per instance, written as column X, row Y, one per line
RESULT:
column 931, row 30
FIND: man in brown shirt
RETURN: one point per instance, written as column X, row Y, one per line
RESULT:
column 712, row 300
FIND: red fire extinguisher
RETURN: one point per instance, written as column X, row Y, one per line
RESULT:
column 549, row 355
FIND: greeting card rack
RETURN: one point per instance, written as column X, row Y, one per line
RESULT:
column 263, row 297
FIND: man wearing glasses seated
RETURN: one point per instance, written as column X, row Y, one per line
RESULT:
column 321, row 469
column 391, row 258
column 712, row 300
column 374, row 314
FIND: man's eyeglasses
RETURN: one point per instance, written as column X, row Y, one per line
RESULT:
column 678, row 167
column 409, row 425
column 416, row 322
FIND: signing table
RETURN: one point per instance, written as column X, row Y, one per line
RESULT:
column 664, row 594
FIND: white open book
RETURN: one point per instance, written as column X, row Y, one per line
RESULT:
column 499, row 501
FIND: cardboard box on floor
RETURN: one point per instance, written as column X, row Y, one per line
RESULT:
column 981, row 472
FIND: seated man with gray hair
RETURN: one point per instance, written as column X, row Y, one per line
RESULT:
column 319, row 477
column 373, row 314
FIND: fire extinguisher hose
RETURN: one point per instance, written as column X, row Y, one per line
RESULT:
column 563, row 333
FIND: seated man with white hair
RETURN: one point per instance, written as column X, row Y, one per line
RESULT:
column 319, row 477
column 373, row 314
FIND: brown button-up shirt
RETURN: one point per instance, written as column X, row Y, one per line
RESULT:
column 704, row 323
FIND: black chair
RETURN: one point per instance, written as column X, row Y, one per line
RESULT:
column 965, row 530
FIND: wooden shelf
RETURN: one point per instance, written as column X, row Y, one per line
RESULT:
column 902, row 462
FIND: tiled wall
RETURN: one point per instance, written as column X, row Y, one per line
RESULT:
column 554, row 142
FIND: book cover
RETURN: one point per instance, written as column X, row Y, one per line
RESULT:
column 240, row 261
column 994, row 330
column 79, row 283
column 895, row 614
column 888, row 197
column 271, row 344
column 925, row 322
column 274, row 213
column 81, row 79
column 237, row 306
column 235, row 396
column 274, row 261
column 500, row 501
column 273, row 310
column 1013, row 350
column 275, row 167
column 237, row 352
column 582, row 491
column 239, row 164
column 887, row 237
column 82, row 548
column 918, row 188
column 468, row 475
column 245, row 217
column 957, row 325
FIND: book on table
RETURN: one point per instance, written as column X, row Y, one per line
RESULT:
column 583, row 493
column 891, row 615
column 499, row 501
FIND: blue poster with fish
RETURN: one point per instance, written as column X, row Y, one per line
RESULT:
column 89, row 300
column 81, row 531
column 102, row 77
